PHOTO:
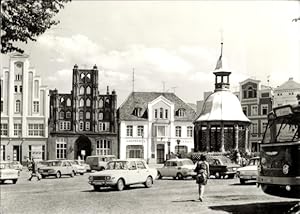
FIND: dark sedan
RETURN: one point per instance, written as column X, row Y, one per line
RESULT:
column 222, row 167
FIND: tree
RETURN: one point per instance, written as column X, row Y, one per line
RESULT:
column 24, row 20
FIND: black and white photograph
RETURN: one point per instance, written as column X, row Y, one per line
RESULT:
column 150, row 106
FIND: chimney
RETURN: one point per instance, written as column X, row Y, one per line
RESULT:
column 107, row 89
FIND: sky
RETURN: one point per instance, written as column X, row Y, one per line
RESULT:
column 173, row 46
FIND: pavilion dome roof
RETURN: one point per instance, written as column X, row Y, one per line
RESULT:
column 222, row 105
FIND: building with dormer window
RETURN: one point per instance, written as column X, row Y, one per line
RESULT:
column 152, row 125
column 24, row 112
column 83, row 122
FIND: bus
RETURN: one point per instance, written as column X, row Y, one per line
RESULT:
column 279, row 164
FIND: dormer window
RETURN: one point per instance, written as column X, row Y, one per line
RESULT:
column 137, row 112
column 180, row 112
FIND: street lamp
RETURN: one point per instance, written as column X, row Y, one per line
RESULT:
column 169, row 144
column 20, row 145
column 178, row 142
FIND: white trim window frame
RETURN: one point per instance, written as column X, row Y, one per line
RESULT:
column 61, row 148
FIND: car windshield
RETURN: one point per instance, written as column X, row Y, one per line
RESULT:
column 119, row 165
column 53, row 163
column 187, row 162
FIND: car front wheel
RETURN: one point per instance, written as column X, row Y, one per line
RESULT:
column 242, row 181
column 179, row 176
column 120, row 185
column 14, row 181
column 58, row 174
column 148, row 182
column 72, row 174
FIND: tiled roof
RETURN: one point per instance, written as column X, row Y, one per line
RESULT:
column 141, row 100
column 290, row 84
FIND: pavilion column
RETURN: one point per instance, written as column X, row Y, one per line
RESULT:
column 236, row 137
column 222, row 149
column 208, row 138
column 246, row 139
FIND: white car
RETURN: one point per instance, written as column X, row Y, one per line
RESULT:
column 7, row 172
column 79, row 168
column 123, row 173
column 177, row 168
column 248, row 172
column 57, row 168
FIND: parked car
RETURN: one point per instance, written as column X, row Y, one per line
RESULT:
column 7, row 172
column 222, row 167
column 123, row 173
column 248, row 172
column 86, row 166
column 177, row 168
column 17, row 165
column 57, row 168
column 79, row 168
column 98, row 162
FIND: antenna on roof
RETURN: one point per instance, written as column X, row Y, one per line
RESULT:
column 132, row 79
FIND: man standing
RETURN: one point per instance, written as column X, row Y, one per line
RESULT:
column 34, row 171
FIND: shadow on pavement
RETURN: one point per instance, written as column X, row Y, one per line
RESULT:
column 191, row 200
column 246, row 184
column 110, row 189
column 258, row 208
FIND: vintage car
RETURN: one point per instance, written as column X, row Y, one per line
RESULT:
column 17, row 165
column 57, row 168
column 248, row 172
column 7, row 172
column 99, row 162
column 177, row 168
column 123, row 173
column 79, row 168
column 222, row 167
column 84, row 164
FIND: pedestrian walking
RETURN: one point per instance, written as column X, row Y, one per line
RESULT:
column 202, row 170
column 34, row 171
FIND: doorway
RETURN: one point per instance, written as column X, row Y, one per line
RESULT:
column 16, row 153
column 160, row 151
column 82, row 148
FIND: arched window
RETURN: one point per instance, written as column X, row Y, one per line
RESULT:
column 36, row 88
column 62, row 100
column 107, row 101
column 81, row 90
column 81, row 115
column 88, row 90
column 137, row 112
column 18, row 106
column 88, row 102
column 61, row 115
column 88, row 76
column 180, row 112
column 87, row 115
column 68, row 114
column 82, row 75
column 100, row 116
column 81, row 102
column 68, row 102
column 101, row 103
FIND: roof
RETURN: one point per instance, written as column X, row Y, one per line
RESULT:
column 141, row 100
column 222, row 106
column 290, row 84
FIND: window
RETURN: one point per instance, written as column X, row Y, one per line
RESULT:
column 88, row 76
column 17, row 129
column 61, row 148
column 62, row 100
column 65, row 125
column 155, row 113
column 254, row 111
column 181, row 112
column 245, row 110
column 61, row 115
column 82, row 75
column 251, row 92
column 21, row 89
column 189, row 131
column 81, row 115
column 178, row 131
column 87, row 126
column 103, row 147
column 16, row 88
column 18, row 106
column 101, row 103
column 68, row 114
column 254, row 128
column 88, row 90
column 36, row 130
column 68, row 102
column 263, row 127
column 100, row 116
column 129, row 131
column 81, row 90
column 80, row 126
column 104, row 126
column 2, row 152
column 140, row 165
column 140, row 131
column 107, row 101
column 244, row 94
column 166, row 114
column 134, row 151
column 36, row 106
column 264, row 109
column 4, row 129
column 81, row 102
column 88, row 102
column 36, row 89
column 87, row 115
column 160, row 131
column 137, row 112
column 161, row 112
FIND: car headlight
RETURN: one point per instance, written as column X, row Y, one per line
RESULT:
column 91, row 178
column 107, row 177
column 285, row 169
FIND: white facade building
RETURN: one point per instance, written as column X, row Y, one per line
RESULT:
column 24, row 112
column 286, row 93
column 154, row 125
